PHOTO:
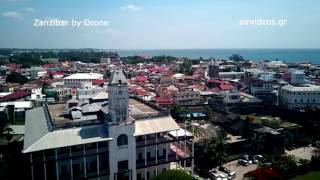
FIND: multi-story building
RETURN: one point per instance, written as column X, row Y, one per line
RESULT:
column 213, row 70
column 123, row 138
column 297, row 77
column 299, row 97
column 260, row 87
column 80, row 80
column 37, row 72
column 187, row 96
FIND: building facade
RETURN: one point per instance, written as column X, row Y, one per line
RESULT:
column 104, row 141
column 299, row 97
column 80, row 80
column 213, row 70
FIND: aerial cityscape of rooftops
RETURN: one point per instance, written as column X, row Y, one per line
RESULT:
column 164, row 90
column 93, row 114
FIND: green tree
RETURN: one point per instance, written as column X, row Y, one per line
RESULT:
column 210, row 152
column 186, row 67
column 174, row 175
column 178, row 112
column 286, row 166
column 236, row 57
column 16, row 77
column 315, row 163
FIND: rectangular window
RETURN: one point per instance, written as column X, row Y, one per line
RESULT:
column 91, row 148
column 91, row 165
column 38, row 171
column 123, row 165
column 78, row 167
column 77, row 150
column 64, row 169
column 103, row 163
column 140, row 158
column 51, row 170
column 37, row 156
column 63, row 152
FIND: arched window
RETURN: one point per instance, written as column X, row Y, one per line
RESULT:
column 122, row 140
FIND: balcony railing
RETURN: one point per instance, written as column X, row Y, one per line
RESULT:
column 159, row 140
column 141, row 163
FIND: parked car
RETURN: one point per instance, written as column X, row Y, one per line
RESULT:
column 214, row 176
column 243, row 162
column 258, row 157
column 232, row 174
column 255, row 161
column 224, row 169
column 245, row 157
column 223, row 176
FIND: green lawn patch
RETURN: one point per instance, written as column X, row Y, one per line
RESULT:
column 309, row 176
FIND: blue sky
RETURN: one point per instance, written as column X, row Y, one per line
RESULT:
column 161, row 24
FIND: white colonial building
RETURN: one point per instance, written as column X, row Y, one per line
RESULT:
column 299, row 97
column 120, row 138
column 80, row 80
column 297, row 77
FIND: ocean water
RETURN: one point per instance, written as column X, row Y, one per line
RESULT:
column 288, row 55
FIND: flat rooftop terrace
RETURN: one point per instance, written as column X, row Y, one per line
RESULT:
column 137, row 109
column 55, row 111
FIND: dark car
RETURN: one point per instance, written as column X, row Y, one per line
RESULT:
column 223, row 169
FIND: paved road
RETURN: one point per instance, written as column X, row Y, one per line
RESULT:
column 238, row 169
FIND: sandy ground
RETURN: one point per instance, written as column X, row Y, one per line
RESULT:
column 239, row 169
column 302, row 153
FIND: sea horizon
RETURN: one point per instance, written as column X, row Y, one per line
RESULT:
column 295, row 55
column 290, row 55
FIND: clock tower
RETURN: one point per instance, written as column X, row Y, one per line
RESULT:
column 118, row 96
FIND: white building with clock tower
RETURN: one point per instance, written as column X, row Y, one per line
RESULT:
column 113, row 137
column 123, row 150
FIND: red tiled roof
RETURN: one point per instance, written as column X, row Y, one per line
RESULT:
column 141, row 78
column 15, row 95
column 214, row 90
column 48, row 65
column 98, row 81
column 57, row 73
column 226, row 87
column 164, row 100
column 13, row 66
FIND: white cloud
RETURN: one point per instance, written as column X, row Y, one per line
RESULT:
column 130, row 7
column 12, row 14
column 30, row 9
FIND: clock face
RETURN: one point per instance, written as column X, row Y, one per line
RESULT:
column 119, row 92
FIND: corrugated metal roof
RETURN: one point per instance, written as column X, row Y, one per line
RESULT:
column 35, row 126
column 85, row 76
column 18, row 104
column 70, row 137
column 38, row 136
column 156, row 125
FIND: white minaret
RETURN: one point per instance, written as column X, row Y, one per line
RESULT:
column 118, row 96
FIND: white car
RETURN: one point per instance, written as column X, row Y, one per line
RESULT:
column 223, row 175
column 232, row 174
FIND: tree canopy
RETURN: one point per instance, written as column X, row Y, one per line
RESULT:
column 16, row 77
column 186, row 67
column 210, row 152
column 178, row 112
column 236, row 57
